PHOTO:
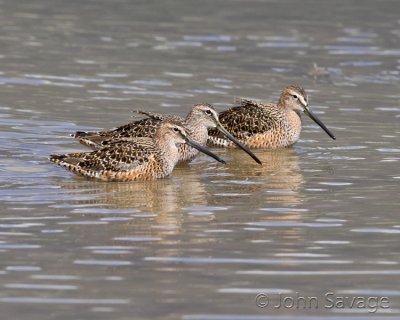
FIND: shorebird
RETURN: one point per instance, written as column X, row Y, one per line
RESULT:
column 134, row 159
column 266, row 125
column 201, row 118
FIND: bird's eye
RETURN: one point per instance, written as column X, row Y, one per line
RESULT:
column 208, row 112
column 295, row 96
column 176, row 129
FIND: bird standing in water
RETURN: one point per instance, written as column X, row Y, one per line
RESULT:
column 266, row 125
column 201, row 118
column 136, row 159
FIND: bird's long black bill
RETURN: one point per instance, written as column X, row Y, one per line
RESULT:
column 204, row 150
column 235, row 141
column 319, row 122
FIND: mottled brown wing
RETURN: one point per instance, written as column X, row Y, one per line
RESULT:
column 119, row 156
column 125, row 130
column 245, row 120
column 153, row 115
column 140, row 128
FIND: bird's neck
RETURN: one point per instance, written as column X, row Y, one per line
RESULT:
column 199, row 132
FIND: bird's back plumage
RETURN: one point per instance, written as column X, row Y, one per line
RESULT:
column 255, row 124
column 141, row 159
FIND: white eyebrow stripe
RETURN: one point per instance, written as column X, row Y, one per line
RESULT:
column 303, row 100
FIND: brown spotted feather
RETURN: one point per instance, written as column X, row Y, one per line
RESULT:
column 263, row 125
column 195, row 123
column 139, row 158
column 121, row 161
column 146, row 127
column 248, row 118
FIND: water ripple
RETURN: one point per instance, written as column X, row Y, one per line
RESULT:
column 254, row 290
column 94, row 262
column 44, row 300
column 282, row 45
column 152, row 83
column 40, row 286
column 376, row 230
column 245, row 261
column 58, row 277
column 320, row 272
column 64, row 78
column 137, row 239
column 207, row 38
column 23, row 268
column 242, row 316
column 19, row 246
column 294, row 224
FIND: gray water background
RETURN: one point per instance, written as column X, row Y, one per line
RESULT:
column 320, row 217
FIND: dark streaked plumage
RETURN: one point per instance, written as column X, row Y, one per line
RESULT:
column 198, row 121
column 266, row 125
column 137, row 159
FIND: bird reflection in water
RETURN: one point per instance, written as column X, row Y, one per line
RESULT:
column 163, row 198
column 278, row 179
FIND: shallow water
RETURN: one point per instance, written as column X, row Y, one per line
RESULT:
column 318, row 218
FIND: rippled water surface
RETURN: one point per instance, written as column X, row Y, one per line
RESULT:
column 319, row 218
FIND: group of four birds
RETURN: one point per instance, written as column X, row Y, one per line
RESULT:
column 150, row 148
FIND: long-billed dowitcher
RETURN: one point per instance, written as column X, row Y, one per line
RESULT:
column 266, row 125
column 136, row 159
column 198, row 121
